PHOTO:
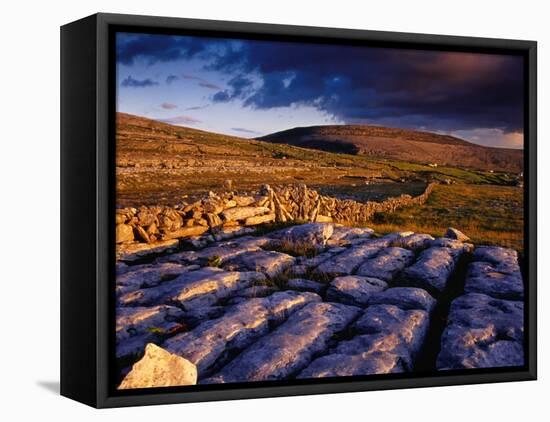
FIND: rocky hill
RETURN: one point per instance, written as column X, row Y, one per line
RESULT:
column 401, row 145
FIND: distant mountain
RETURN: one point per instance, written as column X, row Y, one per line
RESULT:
column 402, row 145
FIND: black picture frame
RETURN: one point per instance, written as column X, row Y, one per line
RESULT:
column 87, row 208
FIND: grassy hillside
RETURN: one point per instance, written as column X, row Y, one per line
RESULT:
column 401, row 145
column 160, row 163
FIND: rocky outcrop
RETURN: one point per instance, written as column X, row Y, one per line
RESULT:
column 354, row 290
column 356, row 303
column 486, row 324
column 389, row 339
column 404, row 297
column 433, row 269
column 159, row 368
column 386, row 264
column 312, row 234
column 483, row 332
column 290, row 347
column 495, row 272
column 194, row 289
column 238, row 328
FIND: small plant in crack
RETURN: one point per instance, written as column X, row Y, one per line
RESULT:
column 214, row 261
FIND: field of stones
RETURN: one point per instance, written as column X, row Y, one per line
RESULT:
column 313, row 300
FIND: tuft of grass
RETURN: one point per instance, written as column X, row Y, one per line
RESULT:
column 266, row 228
column 214, row 261
column 294, row 248
column 279, row 281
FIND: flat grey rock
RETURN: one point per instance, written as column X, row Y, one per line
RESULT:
column 342, row 235
column 499, row 281
column 483, row 332
column 302, row 284
column 405, row 298
column 410, row 325
column 432, row 269
column 289, row 348
column 135, row 327
column 239, row 327
column 148, row 276
column 415, row 241
column 314, row 234
column 387, row 263
column 354, row 290
column 342, row 365
column 269, row 262
column 203, row 287
column 444, row 242
column 347, row 262
column 496, row 255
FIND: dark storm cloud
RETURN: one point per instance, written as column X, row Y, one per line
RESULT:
column 437, row 90
column 239, row 87
column 171, row 78
column 157, row 48
column 244, row 130
column 137, row 83
column 197, row 107
column 168, row 106
column 408, row 88
column 180, row 120
column 202, row 82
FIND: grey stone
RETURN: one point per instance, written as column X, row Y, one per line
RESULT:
column 195, row 288
column 456, row 234
column 213, row 340
column 130, row 252
column 354, row 290
column 124, row 233
column 159, row 368
column 387, row 263
column 342, row 235
column 302, row 284
column 483, row 332
column 314, row 234
column 135, row 327
column 405, row 298
column 269, row 262
column 506, row 260
column 433, row 269
column 256, row 291
column 392, row 339
column 499, row 281
column 289, row 348
column 456, row 245
column 347, row 262
column 415, row 241
column 242, row 213
column 147, row 276
column 411, row 325
column 341, row 365
column 226, row 252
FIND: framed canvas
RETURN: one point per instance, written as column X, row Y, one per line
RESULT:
column 253, row 210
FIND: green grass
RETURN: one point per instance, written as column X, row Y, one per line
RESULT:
column 488, row 214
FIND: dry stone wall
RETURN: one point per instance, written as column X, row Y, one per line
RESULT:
column 228, row 214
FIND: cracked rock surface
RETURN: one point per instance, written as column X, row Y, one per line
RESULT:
column 314, row 300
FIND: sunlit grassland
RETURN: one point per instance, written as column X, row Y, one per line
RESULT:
column 488, row 214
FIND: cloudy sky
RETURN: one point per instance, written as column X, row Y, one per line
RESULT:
column 251, row 88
